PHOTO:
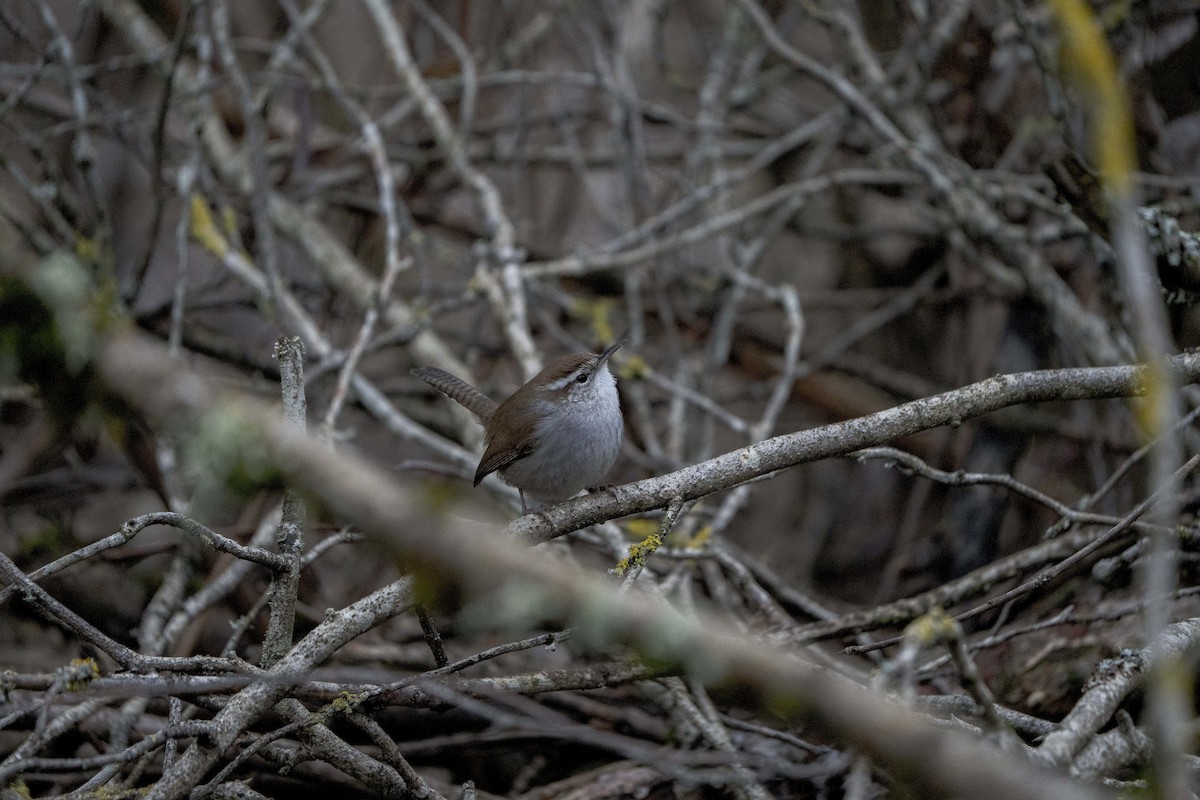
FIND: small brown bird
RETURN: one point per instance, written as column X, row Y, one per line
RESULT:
column 556, row 435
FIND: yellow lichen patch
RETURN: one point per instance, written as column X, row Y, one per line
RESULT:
column 204, row 228
column 698, row 539
column 18, row 789
column 80, row 672
column 932, row 627
column 640, row 552
column 1089, row 59
column 598, row 314
column 442, row 496
column 1149, row 408
column 634, row 368
column 641, row 528
column 345, row 702
column 88, row 249
column 229, row 222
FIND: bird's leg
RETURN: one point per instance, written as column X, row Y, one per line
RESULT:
column 524, row 508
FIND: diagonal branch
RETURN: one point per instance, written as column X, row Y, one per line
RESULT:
column 789, row 450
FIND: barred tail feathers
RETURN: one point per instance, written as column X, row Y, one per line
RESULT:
column 459, row 391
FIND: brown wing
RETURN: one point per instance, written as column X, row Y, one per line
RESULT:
column 506, row 435
column 498, row 455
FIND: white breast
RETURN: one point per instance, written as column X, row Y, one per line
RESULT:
column 577, row 443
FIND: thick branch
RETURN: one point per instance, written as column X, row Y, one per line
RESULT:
column 950, row 408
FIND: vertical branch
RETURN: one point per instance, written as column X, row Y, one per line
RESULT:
column 290, row 352
column 1088, row 55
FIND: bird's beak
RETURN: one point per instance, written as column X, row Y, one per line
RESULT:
column 608, row 351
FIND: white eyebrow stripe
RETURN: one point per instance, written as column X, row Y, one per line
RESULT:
column 565, row 380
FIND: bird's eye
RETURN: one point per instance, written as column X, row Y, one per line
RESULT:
column 582, row 378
